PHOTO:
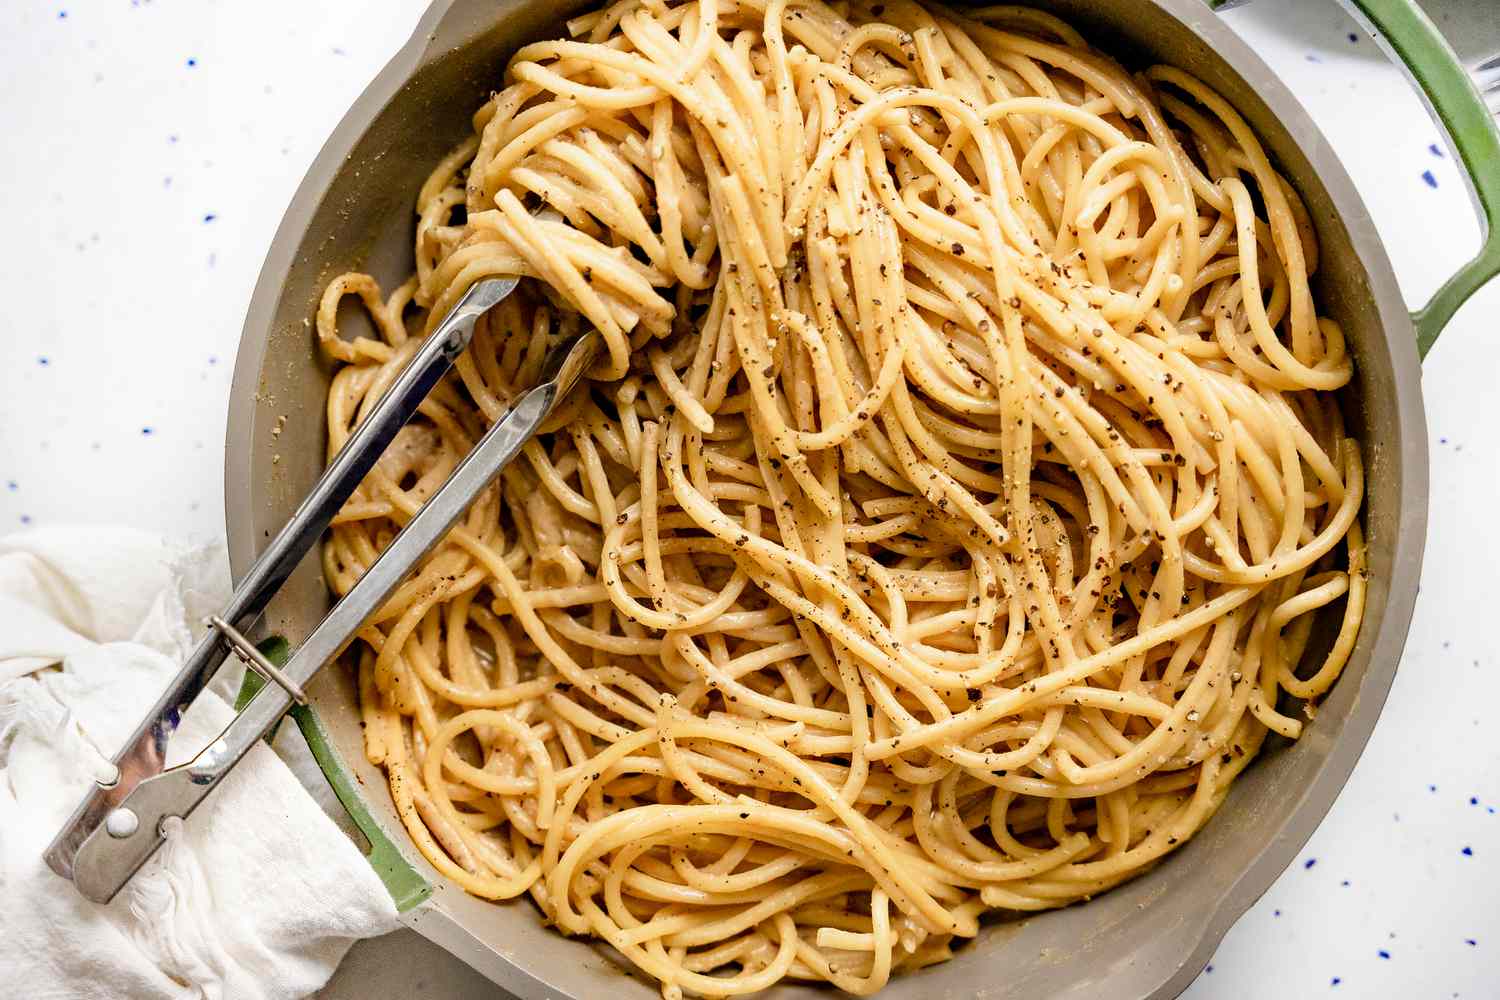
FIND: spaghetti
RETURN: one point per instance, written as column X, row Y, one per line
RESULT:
column 941, row 530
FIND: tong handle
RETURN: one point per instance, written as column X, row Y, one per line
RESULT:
column 143, row 754
column 132, row 830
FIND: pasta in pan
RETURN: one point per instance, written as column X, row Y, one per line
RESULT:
column 946, row 516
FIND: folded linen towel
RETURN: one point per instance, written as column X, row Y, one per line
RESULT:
column 257, row 895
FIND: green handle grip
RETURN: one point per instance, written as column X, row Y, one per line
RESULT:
column 1455, row 104
column 1450, row 95
column 1448, row 91
column 405, row 884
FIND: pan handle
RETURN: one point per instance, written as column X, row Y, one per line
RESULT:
column 405, row 883
column 1406, row 33
column 1446, row 88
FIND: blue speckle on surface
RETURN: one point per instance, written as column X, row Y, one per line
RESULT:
column 213, row 360
column 146, row 431
column 1435, row 150
column 1208, row 969
column 210, row 217
column 192, row 61
column 1433, row 788
column 61, row 15
column 1471, row 942
column 44, row 361
column 11, row 485
column 1345, row 883
column 1467, row 852
column 1353, row 38
column 1473, row 800
column 1431, row 180
column 1313, row 57
column 25, row 518
column 1275, row 913
column 1383, row 953
column 1335, row 981
column 1309, row 862
column 172, row 140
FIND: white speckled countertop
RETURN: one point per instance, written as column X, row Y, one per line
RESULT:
column 150, row 148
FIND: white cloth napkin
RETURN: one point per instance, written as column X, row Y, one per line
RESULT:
column 258, row 895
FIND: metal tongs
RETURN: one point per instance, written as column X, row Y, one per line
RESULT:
column 118, row 825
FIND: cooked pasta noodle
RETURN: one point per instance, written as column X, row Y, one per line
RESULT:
column 940, row 530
